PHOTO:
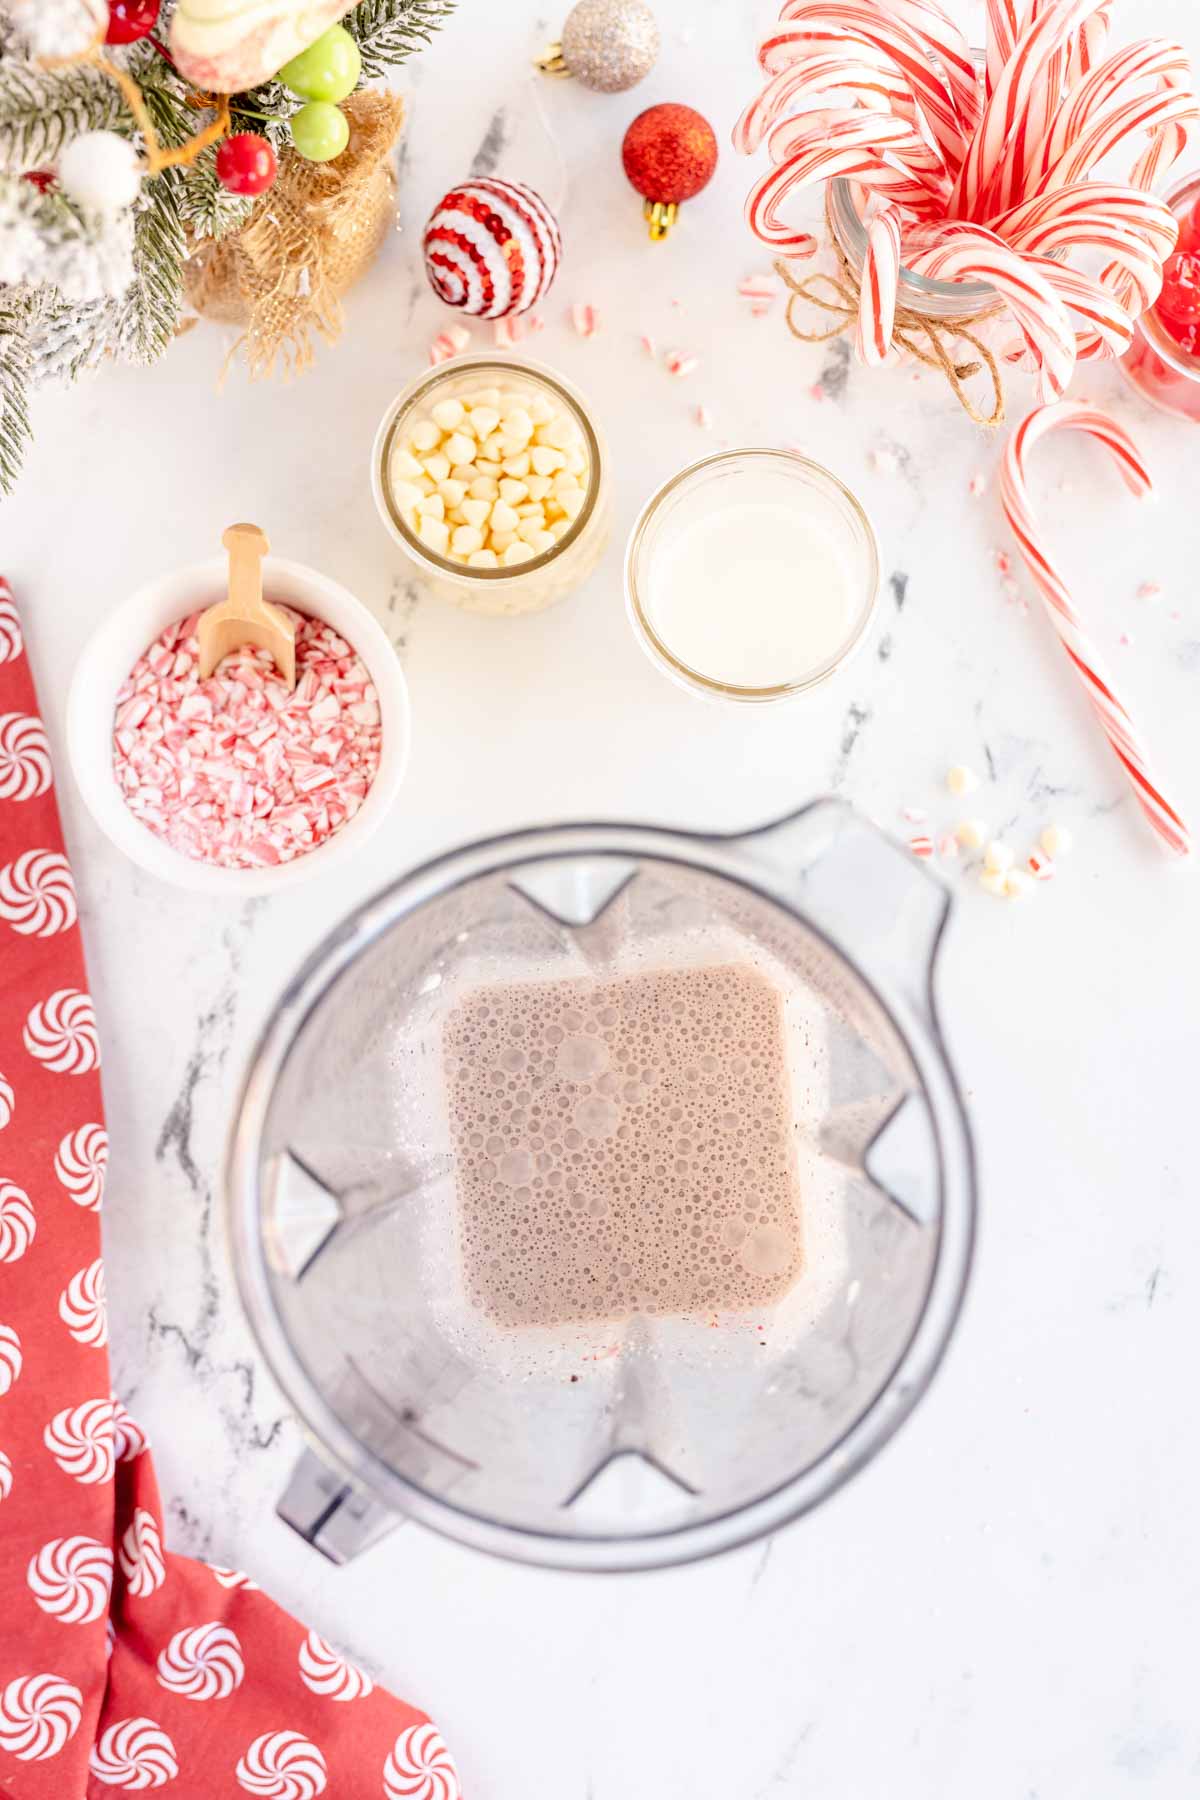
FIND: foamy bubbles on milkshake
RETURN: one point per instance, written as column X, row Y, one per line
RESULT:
column 623, row 1145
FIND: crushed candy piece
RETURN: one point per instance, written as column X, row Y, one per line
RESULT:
column 585, row 319
column 913, row 815
column 234, row 770
column 1003, row 563
column 681, row 362
column 508, row 331
column 648, row 345
column 977, row 486
column 921, row 845
column 1041, row 866
column 1150, row 590
column 703, row 418
column 449, row 343
column 761, row 289
column 947, row 844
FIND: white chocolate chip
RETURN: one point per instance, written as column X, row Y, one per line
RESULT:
column 572, row 503
column 563, row 485
column 517, row 465
column 448, row 414
column 404, row 465
column 489, row 397
column 475, row 511
column 529, row 509
column 541, row 541
column 971, row 834
column 484, row 488
column 464, row 472
column 466, row 538
column 406, row 494
column 503, row 517
column 518, row 424
column 545, row 461
column 998, row 857
column 513, row 491
column 540, row 410
column 529, row 529
column 435, row 533
column 483, row 559
column 961, row 780
column 425, row 436
column 538, row 486
column 516, row 552
column 993, row 880
column 459, row 447
column 483, row 420
column 1055, row 840
column 500, row 540
column 431, row 506
column 452, row 491
column 437, row 466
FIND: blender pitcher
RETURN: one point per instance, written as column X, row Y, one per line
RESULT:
column 640, row 1441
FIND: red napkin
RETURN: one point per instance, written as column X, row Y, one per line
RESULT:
column 122, row 1666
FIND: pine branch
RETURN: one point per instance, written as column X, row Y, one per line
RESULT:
column 41, row 109
column 207, row 208
column 388, row 31
column 15, row 362
column 148, row 314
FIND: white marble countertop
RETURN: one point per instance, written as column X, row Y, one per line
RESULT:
column 1003, row 1605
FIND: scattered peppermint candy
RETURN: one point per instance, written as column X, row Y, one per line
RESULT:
column 681, row 362
column 449, row 344
column 1150, row 590
column 977, row 486
column 585, row 320
column 703, row 418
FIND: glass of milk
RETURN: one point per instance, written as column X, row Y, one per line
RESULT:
column 751, row 575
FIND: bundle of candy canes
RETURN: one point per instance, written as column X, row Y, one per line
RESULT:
column 980, row 170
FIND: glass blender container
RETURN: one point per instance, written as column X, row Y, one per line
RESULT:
column 646, row 1440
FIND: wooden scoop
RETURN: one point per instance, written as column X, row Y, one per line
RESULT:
column 246, row 618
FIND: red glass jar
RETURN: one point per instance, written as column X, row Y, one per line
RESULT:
column 1156, row 365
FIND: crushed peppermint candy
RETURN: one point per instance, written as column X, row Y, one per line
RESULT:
column 1150, row 590
column 681, row 362
column 449, row 344
column 585, row 319
column 508, row 331
column 703, row 417
column 977, row 486
column 234, row 770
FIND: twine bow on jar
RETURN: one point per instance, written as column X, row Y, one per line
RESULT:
column 927, row 339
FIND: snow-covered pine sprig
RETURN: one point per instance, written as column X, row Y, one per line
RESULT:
column 42, row 109
column 388, row 31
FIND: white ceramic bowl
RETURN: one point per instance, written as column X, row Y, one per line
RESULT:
column 115, row 646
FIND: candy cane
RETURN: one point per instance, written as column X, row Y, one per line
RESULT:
column 1112, row 125
column 1022, row 521
column 1001, row 131
column 977, row 255
column 879, row 287
column 875, row 83
column 803, row 21
column 846, row 149
column 1003, row 29
column 1157, row 59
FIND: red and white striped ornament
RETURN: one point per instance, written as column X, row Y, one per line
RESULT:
column 492, row 248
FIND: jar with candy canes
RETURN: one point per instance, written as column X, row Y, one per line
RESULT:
column 493, row 479
column 1163, row 364
column 945, row 324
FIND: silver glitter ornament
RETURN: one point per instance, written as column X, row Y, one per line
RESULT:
column 608, row 45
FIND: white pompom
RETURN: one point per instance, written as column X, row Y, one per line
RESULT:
column 100, row 172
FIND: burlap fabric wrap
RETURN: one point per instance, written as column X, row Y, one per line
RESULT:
column 308, row 240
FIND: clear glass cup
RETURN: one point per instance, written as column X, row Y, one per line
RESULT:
column 735, row 477
column 531, row 585
column 1155, row 366
column 645, row 1439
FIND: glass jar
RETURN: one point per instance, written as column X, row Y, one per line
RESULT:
column 775, row 657
column 1155, row 366
column 941, row 302
column 528, row 586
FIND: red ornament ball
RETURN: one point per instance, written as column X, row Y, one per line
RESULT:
column 130, row 20
column 491, row 248
column 246, row 164
column 669, row 153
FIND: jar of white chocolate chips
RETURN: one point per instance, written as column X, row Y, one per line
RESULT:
column 492, row 477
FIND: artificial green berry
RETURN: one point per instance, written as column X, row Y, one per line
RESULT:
column 320, row 131
column 327, row 70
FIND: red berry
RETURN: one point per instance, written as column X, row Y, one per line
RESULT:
column 41, row 179
column 1180, row 297
column 129, row 20
column 246, row 164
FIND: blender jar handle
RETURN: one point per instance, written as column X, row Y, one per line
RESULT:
column 330, row 1513
column 862, row 889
